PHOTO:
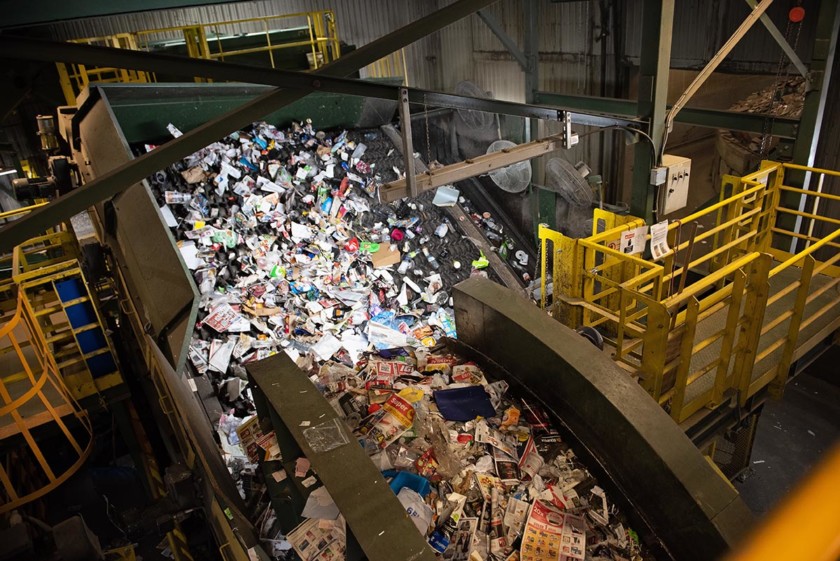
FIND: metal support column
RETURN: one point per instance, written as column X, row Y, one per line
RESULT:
column 810, row 123
column 543, row 203
column 654, row 66
column 408, row 144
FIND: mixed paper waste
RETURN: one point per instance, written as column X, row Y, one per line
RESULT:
column 291, row 252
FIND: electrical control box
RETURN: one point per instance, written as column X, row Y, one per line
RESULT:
column 675, row 189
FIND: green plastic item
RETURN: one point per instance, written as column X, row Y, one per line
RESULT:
column 481, row 262
column 277, row 271
column 370, row 247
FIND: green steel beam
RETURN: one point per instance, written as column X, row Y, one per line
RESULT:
column 22, row 14
column 542, row 201
column 130, row 173
column 754, row 123
column 774, row 32
column 654, row 66
column 41, row 50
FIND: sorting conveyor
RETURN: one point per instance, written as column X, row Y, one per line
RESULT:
column 677, row 496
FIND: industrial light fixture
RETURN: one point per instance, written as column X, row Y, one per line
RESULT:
column 7, row 172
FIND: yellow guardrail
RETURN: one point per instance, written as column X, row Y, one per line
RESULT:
column 71, row 326
column 32, row 394
column 691, row 344
column 205, row 41
column 7, row 284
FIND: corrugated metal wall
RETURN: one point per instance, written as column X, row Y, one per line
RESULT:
column 701, row 27
column 359, row 22
column 570, row 43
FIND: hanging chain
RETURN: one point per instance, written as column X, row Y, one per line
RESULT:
column 780, row 82
column 428, row 138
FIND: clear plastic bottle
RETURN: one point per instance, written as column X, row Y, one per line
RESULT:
column 431, row 259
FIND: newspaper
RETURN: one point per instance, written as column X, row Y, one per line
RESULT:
column 550, row 535
column 506, row 467
column 531, row 461
column 320, row 540
column 461, row 544
column 250, row 434
column 487, row 435
column 221, row 318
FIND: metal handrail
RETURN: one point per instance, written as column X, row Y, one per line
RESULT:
column 595, row 284
column 322, row 39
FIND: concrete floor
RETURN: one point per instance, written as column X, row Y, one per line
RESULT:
column 793, row 434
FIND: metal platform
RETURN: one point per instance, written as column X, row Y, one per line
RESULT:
column 697, row 346
column 810, row 335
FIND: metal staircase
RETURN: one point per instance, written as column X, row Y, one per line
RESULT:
column 65, row 314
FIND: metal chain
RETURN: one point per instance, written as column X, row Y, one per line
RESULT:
column 428, row 138
column 765, row 138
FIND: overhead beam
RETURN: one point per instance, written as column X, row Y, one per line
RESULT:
column 130, row 173
column 755, row 123
column 780, row 39
column 41, row 50
column 471, row 167
column 493, row 24
column 707, row 70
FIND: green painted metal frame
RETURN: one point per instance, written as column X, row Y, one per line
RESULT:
column 130, row 173
column 36, row 49
column 755, row 123
column 654, row 69
column 696, row 513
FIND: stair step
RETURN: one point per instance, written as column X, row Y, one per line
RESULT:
column 86, row 327
column 48, row 311
column 68, row 334
column 101, row 351
column 70, row 362
column 74, row 301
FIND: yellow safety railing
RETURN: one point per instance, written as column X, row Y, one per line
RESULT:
column 75, row 77
column 32, row 394
column 734, row 331
column 206, row 40
column 71, row 326
column 7, row 285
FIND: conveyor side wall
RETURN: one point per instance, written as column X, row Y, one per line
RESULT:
column 133, row 228
column 695, row 512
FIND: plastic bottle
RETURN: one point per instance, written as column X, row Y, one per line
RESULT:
column 404, row 265
column 431, row 259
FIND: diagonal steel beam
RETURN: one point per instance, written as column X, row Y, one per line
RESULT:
column 780, row 39
column 52, row 51
column 472, row 167
column 493, row 24
column 130, row 173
